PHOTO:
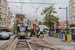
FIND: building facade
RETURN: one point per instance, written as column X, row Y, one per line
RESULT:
column 62, row 25
column 3, row 14
column 12, row 20
column 9, row 20
column 20, row 17
column 72, row 15
column 32, row 23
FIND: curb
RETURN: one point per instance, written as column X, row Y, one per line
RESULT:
column 6, row 44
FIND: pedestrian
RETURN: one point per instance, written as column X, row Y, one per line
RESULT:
column 41, row 32
column 38, row 34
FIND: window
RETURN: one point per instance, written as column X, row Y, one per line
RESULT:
column 9, row 18
column 70, row 19
column 3, row 17
column 13, row 20
column 3, row 23
column 0, row 17
column 70, row 11
column 0, row 23
column 9, row 22
column 73, row 8
column 3, row 10
column 3, row 3
column 9, row 14
column 73, row 18
column 0, row 9
column 70, row 3
column 0, row 0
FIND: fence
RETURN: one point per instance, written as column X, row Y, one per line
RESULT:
column 64, row 36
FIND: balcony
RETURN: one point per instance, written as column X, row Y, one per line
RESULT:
column 3, row 4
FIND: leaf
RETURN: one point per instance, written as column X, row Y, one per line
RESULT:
column 49, row 18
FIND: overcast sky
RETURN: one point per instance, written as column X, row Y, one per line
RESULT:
column 29, row 11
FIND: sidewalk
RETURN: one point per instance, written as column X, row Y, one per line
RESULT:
column 59, row 42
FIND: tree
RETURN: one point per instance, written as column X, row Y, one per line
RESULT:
column 15, row 25
column 17, row 22
column 49, row 18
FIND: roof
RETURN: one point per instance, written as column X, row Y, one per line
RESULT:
column 21, row 15
column 33, row 20
column 62, row 23
column 28, row 21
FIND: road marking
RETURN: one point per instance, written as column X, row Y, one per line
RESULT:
column 4, row 47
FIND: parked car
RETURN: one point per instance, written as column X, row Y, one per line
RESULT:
column 10, row 33
column 0, row 35
column 5, row 35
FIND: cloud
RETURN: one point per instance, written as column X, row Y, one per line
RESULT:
column 30, row 12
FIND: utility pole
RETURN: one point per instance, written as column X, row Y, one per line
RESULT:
column 21, row 6
column 50, row 25
column 67, row 20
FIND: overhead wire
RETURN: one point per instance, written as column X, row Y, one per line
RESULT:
column 41, row 4
column 30, row 2
column 33, row 3
column 39, row 7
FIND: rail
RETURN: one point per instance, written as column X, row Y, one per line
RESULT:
column 29, row 45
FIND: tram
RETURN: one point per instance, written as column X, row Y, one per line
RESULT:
column 22, row 31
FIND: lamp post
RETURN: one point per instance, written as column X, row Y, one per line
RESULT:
column 66, row 17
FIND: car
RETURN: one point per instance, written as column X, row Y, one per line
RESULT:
column 5, row 35
column 0, row 35
column 10, row 33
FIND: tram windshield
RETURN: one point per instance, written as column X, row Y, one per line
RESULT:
column 22, row 29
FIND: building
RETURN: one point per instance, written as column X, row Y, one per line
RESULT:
column 29, row 24
column 9, row 19
column 34, row 21
column 20, row 17
column 12, row 20
column 62, row 25
column 3, row 14
column 72, row 15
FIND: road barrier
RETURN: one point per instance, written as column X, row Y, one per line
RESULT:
column 3, row 46
column 69, row 37
column 64, row 36
column 59, row 35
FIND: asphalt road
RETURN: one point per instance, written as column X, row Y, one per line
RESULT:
column 3, row 41
column 59, row 42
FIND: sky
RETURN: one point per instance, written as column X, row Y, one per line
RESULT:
column 29, row 11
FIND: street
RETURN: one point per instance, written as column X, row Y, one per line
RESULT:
column 3, row 41
column 59, row 42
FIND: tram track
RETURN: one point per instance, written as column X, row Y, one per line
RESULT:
column 25, row 45
column 31, row 44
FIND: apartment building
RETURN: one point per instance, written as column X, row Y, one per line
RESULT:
column 12, row 20
column 9, row 20
column 20, row 17
column 72, row 15
column 3, row 14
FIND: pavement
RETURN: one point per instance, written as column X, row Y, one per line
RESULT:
column 59, row 42
column 3, row 41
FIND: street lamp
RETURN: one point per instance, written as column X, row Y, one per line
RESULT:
column 66, row 17
column 36, row 11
